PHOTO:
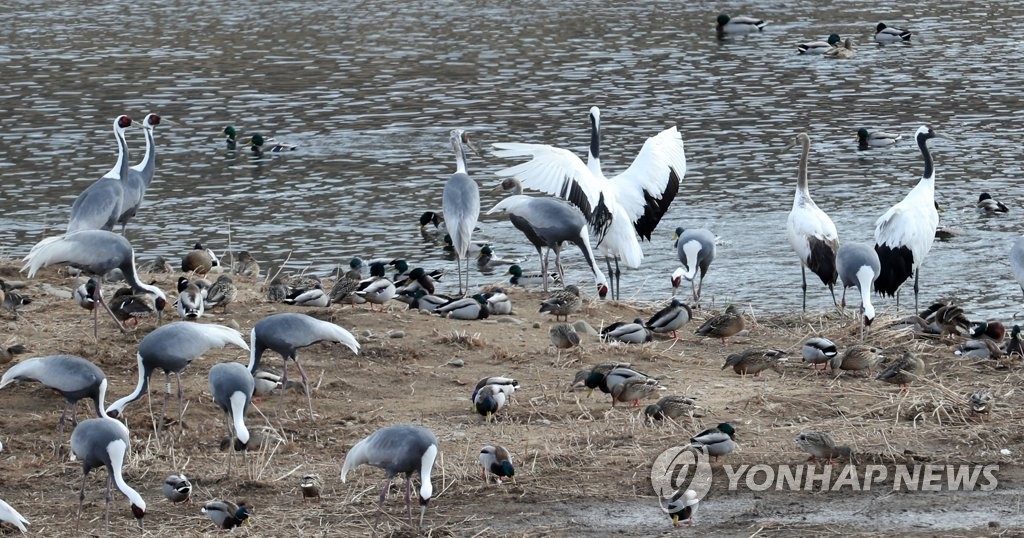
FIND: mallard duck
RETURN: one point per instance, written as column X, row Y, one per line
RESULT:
column 157, row 265
column 377, row 289
column 84, row 294
column 498, row 303
column 199, row 260
column 177, row 488
column 818, row 47
column 988, row 205
column 564, row 336
column 562, row 303
column 821, row 445
column 492, row 397
column 951, row 320
column 673, row 407
column 487, row 261
column 682, row 506
column 278, row 290
column 723, row 325
column 669, row 319
column 503, row 381
column 717, row 441
column 435, row 219
column 467, row 308
column 627, row 333
column 993, row 330
column 495, row 460
column 634, row 389
column 617, row 376
column 344, row 290
column 259, row 145
column 529, row 280
column 979, row 349
column 265, row 383
column 754, row 361
column 981, row 401
column 247, row 265
column 726, row 25
column 818, row 350
column 844, row 52
column 221, row 293
column 7, row 353
column 473, row 249
column 902, row 371
column 190, row 300
column 310, row 486
column 314, row 297
column 417, row 279
column 226, row 514
column 856, row 358
column 889, row 34
column 875, row 139
column 597, row 376
column 1014, row 347
column 421, row 300
column 126, row 304
column 229, row 137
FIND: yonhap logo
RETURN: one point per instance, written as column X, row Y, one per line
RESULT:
column 681, row 468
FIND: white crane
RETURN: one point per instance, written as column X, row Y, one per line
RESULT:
column 811, row 232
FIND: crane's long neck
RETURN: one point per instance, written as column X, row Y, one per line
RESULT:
column 120, row 168
column 148, row 163
column 460, row 155
column 239, row 402
column 139, row 389
column 426, row 466
column 255, row 351
column 801, row 173
column 588, row 254
column 117, row 450
column 132, row 277
column 929, row 170
column 594, row 155
column 865, row 277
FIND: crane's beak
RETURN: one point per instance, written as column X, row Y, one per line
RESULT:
column 175, row 124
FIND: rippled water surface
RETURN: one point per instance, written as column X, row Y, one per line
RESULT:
column 369, row 91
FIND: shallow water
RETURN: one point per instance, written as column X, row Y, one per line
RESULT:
column 369, row 91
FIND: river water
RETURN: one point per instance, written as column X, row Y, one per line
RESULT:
column 368, row 91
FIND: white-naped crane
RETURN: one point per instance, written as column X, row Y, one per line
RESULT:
column 620, row 210
column 140, row 175
column 859, row 266
column 904, row 234
column 99, row 205
column 460, row 203
column 810, row 231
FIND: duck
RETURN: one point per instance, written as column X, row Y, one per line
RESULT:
column 856, row 358
column 902, row 371
column 979, row 349
column 230, row 137
column 83, row 294
column 246, row 265
column 597, row 376
column 377, row 289
column 417, row 279
column 157, row 265
column 821, row 445
column 7, row 353
column 889, row 34
column 310, row 486
column 993, row 330
column 226, row 514
column 670, row 319
column 264, row 383
column 496, row 460
column 260, row 145
column 818, row 47
column 278, row 290
column 726, row 25
column 492, row 398
column 498, row 302
column 487, row 261
column 467, row 308
column 432, row 224
column 628, row 333
column 449, row 249
column 190, row 300
column 988, row 205
column 1014, row 347
column 818, row 350
column 723, row 325
column 754, row 361
column 530, row 280
column 199, row 260
column 875, row 139
column 221, row 293
column 177, row 488
column 673, row 407
column 126, row 304
column 634, row 389
column 508, row 384
column 682, row 506
column 981, row 401
column 951, row 320
column 718, row 441
column 564, row 336
column 844, row 52
column 421, row 300
column 314, row 297
column 562, row 303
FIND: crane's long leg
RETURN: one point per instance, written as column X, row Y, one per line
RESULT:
column 544, row 270
column 106, row 499
column 181, row 404
column 305, row 386
column 284, row 378
column 617, row 275
column 803, row 275
column 917, row 273
column 832, row 290
column 408, row 495
column 163, row 407
column 81, row 500
column 611, row 275
column 99, row 299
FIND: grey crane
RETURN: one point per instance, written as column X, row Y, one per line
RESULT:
column 94, row 252
column 859, row 266
column 401, row 448
column 99, row 205
column 10, row 515
column 460, row 204
column 696, row 250
column 285, row 333
column 171, row 348
column 140, row 175
column 70, row 375
column 105, row 441
column 231, row 385
column 549, row 222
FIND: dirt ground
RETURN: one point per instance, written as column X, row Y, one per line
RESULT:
column 583, row 468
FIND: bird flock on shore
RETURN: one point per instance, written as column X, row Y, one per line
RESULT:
column 581, row 206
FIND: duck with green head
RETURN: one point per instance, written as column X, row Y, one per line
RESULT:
column 819, row 47
column 260, row 145
column 875, row 139
column 726, row 25
column 717, row 441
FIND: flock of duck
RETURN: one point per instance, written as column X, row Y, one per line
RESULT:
column 584, row 206
column 833, row 47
